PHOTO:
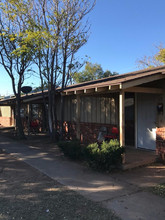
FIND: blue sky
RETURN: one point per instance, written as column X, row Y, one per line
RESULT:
column 122, row 31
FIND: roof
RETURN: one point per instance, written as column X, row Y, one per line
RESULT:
column 121, row 81
column 112, row 83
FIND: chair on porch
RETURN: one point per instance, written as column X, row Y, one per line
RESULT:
column 114, row 134
column 104, row 135
column 34, row 126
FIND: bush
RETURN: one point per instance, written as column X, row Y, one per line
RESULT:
column 105, row 156
column 72, row 149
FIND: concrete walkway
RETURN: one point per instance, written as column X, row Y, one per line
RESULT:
column 121, row 192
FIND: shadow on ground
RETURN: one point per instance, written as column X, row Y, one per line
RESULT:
column 25, row 193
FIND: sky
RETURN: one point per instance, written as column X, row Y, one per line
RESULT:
column 122, row 31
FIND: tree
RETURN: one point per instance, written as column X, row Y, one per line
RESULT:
column 161, row 56
column 154, row 60
column 56, row 29
column 66, row 33
column 108, row 73
column 91, row 72
column 15, row 55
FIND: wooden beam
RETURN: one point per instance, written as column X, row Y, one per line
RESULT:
column 122, row 117
column 87, row 91
column 77, row 92
column 68, row 93
column 63, row 93
column 145, row 90
column 114, row 87
column 146, row 79
column 101, row 89
column 91, row 90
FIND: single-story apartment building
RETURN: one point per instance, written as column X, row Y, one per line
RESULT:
column 6, row 117
column 133, row 102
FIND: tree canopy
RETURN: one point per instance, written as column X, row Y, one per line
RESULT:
column 154, row 60
column 91, row 72
column 15, row 53
column 48, row 33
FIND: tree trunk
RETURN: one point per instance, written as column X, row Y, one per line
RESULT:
column 62, row 118
column 45, row 123
column 19, row 127
column 44, row 118
column 52, row 116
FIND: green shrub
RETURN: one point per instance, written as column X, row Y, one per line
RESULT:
column 101, row 157
column 105, row 156
column 159, row 190
column 72, row 149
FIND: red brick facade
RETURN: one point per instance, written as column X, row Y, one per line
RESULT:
column 88, row 131
column 70, row 130
column 6, row 121
column 160, row 142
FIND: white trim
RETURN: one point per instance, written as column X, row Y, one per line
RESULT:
column 136, row 121
column 122, row 117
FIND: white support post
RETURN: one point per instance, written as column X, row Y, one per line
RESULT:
column 29, row 116
column 78, row 117
column 12, row 117
column 122, row 117
column 136, row 121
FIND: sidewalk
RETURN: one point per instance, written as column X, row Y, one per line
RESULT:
column 122, row 195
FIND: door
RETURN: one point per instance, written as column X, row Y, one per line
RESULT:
column 130, row 119
column 146, row 121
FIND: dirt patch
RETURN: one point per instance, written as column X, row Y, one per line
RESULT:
column 39, row 141
column 26, row 193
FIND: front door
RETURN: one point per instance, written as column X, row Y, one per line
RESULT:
column 130, row 119
column 146, row 121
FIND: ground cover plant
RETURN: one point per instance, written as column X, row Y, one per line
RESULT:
column 159, row 190
column 72, row 149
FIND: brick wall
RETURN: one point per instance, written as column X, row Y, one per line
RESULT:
column 5, row 121
column 70, row 130
column 88, row 131
column 160, row 141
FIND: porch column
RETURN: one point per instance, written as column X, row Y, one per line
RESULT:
column 29, row 116
column 78, row 117
column 12, row 116
column 163, row 109
column 122, row 117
